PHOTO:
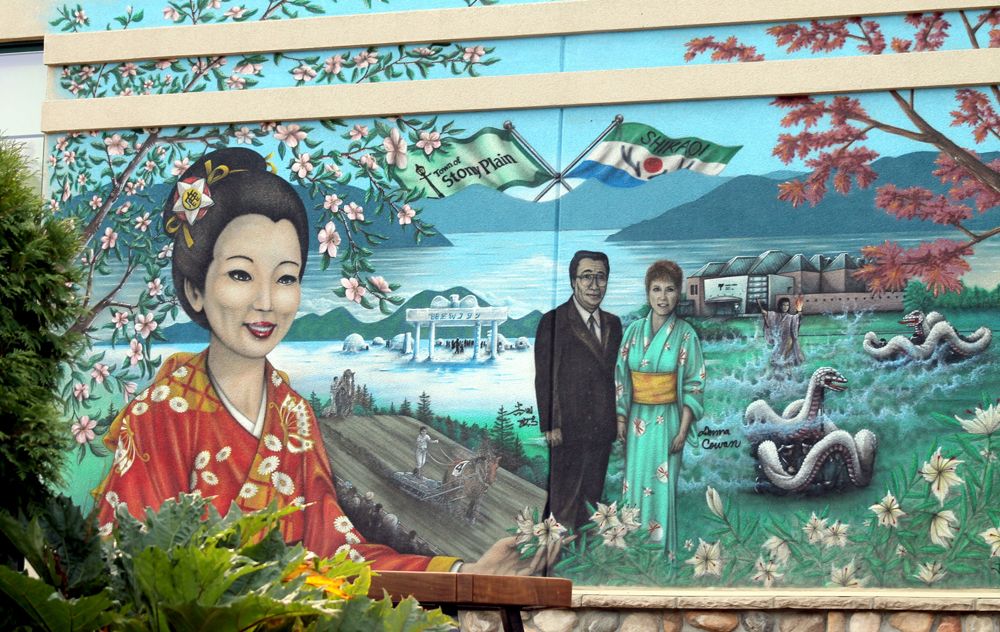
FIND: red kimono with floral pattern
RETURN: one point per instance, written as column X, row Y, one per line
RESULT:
column 176, row 436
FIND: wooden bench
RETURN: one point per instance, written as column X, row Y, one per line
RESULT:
column 459, row 591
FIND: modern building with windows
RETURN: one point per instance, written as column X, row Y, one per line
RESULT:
column 826, row 284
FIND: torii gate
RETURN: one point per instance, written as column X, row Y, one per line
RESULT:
column 457, row 313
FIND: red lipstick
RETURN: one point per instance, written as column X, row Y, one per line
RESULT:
column 260, row 329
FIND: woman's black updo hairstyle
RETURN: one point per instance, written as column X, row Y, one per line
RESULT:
column 246, row 188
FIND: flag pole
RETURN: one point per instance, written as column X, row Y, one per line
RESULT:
column 507, row 125
column 615, row 123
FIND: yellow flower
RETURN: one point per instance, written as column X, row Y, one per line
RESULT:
column 888, row 511
column 940, row 473
column 941, row 524
column 314, row 577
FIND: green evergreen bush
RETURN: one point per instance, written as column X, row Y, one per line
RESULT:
column 37, row 306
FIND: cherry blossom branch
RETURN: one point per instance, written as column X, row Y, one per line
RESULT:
column 95, row 224
column 83, row 323
column 273, row 6
column 97, row 80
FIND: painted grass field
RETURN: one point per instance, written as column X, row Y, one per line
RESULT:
column 898, row 402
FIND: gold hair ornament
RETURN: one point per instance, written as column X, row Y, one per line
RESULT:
column 192, row 200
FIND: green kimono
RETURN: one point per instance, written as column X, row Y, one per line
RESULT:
column 669, row 373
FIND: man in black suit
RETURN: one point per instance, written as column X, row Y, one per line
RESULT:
column 575, row 350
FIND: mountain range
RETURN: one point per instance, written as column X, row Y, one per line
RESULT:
column 339, row 323
column 748, row 206
column 592, row 205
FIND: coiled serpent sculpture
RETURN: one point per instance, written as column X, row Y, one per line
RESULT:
column 931, row 333
column 800, row 451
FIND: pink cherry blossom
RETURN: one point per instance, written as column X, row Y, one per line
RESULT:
column 365, row 59
column 61, row 143
column 291, row 134
column 171, row 13
column 134, row 352
column 155, row 287
column 267, row 126
column 130, row 190
column 302, row 165
column 54, row 205
column 86, row 73
column 429, row 141
column 95, row 202
column 150, row 165
column 109, row 238
column 248, row 68
column 332, row 168
column 381, row 284
column 81, row 179
column 333, row 65
column 163, row 64
column 142, row 223
column 395, row 149
column 304, row 73
column 180, row 166
column 236, row 82
column 215, row 4
column 166, row 252
column 88, row 257
column 83, row 429
column 235, row 13
column 368, row 162
column 405, row 215
column 329, row 239
column 144, row 325
column 354, row 211
column 116, row 145
column 121, row 210
column 120, row 319
column 69, row 157
column 81, row 391
column 244, row 135
column 80, row 16
column 74, row 87
column 128, row 69
column 424, row 51
column 100, row 372
column 52, row 160
column 473, row 53
column 140, row 183
column 128, row 390
column 66, row 193
column 332, row 202
column 358, row 132
column 353, row 290
column 127, row 92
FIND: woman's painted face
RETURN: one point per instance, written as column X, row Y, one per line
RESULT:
column 252, row 289
column 663, row 296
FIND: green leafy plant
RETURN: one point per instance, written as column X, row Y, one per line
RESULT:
column 188, row 568
column 37, row 257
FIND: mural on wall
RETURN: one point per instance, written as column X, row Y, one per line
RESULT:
column 632, row 354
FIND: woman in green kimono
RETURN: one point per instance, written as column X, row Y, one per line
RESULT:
column 659, row 382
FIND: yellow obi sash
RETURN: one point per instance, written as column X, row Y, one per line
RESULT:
column 654, row 388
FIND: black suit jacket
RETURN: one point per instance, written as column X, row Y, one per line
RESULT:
column 575, row 375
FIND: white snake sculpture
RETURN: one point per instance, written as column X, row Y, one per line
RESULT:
column 930, row 332
column 802, row 431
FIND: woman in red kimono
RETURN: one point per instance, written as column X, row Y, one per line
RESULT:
column 224, row 422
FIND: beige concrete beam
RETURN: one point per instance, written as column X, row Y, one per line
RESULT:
column 455, row 25
column 642, row 85
column 21, row 20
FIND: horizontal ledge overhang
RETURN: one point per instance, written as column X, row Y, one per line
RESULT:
column 477, row 23
column 881, row 599
column 517, row 92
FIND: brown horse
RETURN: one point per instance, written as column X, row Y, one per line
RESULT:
column 474, row 476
